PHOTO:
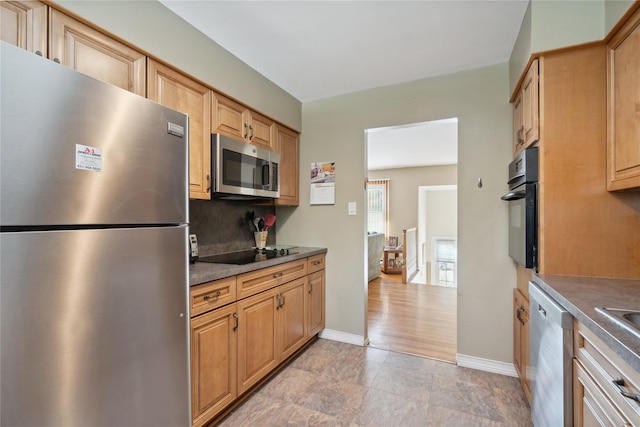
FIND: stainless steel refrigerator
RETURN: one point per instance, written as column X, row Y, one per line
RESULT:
column 93, row 252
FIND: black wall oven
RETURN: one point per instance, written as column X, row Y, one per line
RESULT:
column 523, row 208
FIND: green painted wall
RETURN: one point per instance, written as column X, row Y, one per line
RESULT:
column 334, row 130
column 554, row 24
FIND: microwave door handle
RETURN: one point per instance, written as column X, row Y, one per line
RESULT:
column 514, row 195
column 266, row 174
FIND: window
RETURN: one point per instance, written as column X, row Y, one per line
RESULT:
column 444, row 261
column 378, row 206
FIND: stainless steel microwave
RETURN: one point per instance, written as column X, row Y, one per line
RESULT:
column 241, row 170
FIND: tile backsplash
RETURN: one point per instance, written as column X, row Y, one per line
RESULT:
column 223, row 225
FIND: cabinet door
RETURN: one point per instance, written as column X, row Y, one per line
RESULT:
column 526, row 111
column 521, row 340
column 286, row 142
column 177, row 91
column 228, row 117
column 91, row 52
column 213, row 363
column 291, row 317
column 518, row 129
column 257, row 351
column 260, row 130
column 530, row 109
column 623, row 122
column 233, row 119
column 315, row 303
column 24, row 24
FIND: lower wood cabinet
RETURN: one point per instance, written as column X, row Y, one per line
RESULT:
column 213, row 363
column 521, row 340
column 272, row 328
column 315, row 303
column 291, row 317
column 237, row 340
column 604, row 385
column 257, row 354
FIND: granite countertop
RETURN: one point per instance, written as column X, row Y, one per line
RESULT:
column 581, row 295
column 202, row 272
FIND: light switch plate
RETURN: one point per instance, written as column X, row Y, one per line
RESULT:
column 352, row 208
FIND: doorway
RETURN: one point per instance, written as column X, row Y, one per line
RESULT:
column 438, row 235
column 417, row 317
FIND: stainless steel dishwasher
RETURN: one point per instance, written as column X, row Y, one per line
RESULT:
column 551, row 348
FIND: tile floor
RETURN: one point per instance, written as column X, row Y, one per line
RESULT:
column 337, row 384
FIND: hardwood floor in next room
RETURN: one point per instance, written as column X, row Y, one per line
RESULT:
column 414, row 319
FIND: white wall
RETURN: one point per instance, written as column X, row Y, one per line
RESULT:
column 334, row 130
column 403, row 191
column 441, row 214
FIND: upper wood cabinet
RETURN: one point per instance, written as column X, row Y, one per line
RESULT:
column 623, row 107
column 526, row 113
column 91, row 52
column 177, row 91
column 286, row 142
column 237, row 121
column 24, row 24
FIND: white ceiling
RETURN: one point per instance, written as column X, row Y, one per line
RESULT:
column 320, row 49
column 419, row 144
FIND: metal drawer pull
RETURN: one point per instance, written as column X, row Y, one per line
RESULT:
column 316, row 262
column 310, row 287
column 619, row 383
column 216, row 296
column 275, row 276
column 235, row 321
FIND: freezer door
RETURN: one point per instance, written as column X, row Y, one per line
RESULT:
column 94, row 328
column 79, row 151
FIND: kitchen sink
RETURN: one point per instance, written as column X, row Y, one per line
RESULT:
column 627, row 318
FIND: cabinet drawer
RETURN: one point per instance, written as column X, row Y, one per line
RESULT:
column 266, row 278
column 210, row 295
column 594, row 408
column 315, row 263
column 604, row 366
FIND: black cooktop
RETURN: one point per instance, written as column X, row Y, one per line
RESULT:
column 247, row 256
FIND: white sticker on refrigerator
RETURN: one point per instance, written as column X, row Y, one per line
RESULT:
column 88, row 158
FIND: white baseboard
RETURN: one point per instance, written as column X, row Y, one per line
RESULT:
column 343, row 337
column 472, row 362
column 487, row 365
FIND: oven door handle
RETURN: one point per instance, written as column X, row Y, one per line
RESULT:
column 514, row 195
column 515, row 178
